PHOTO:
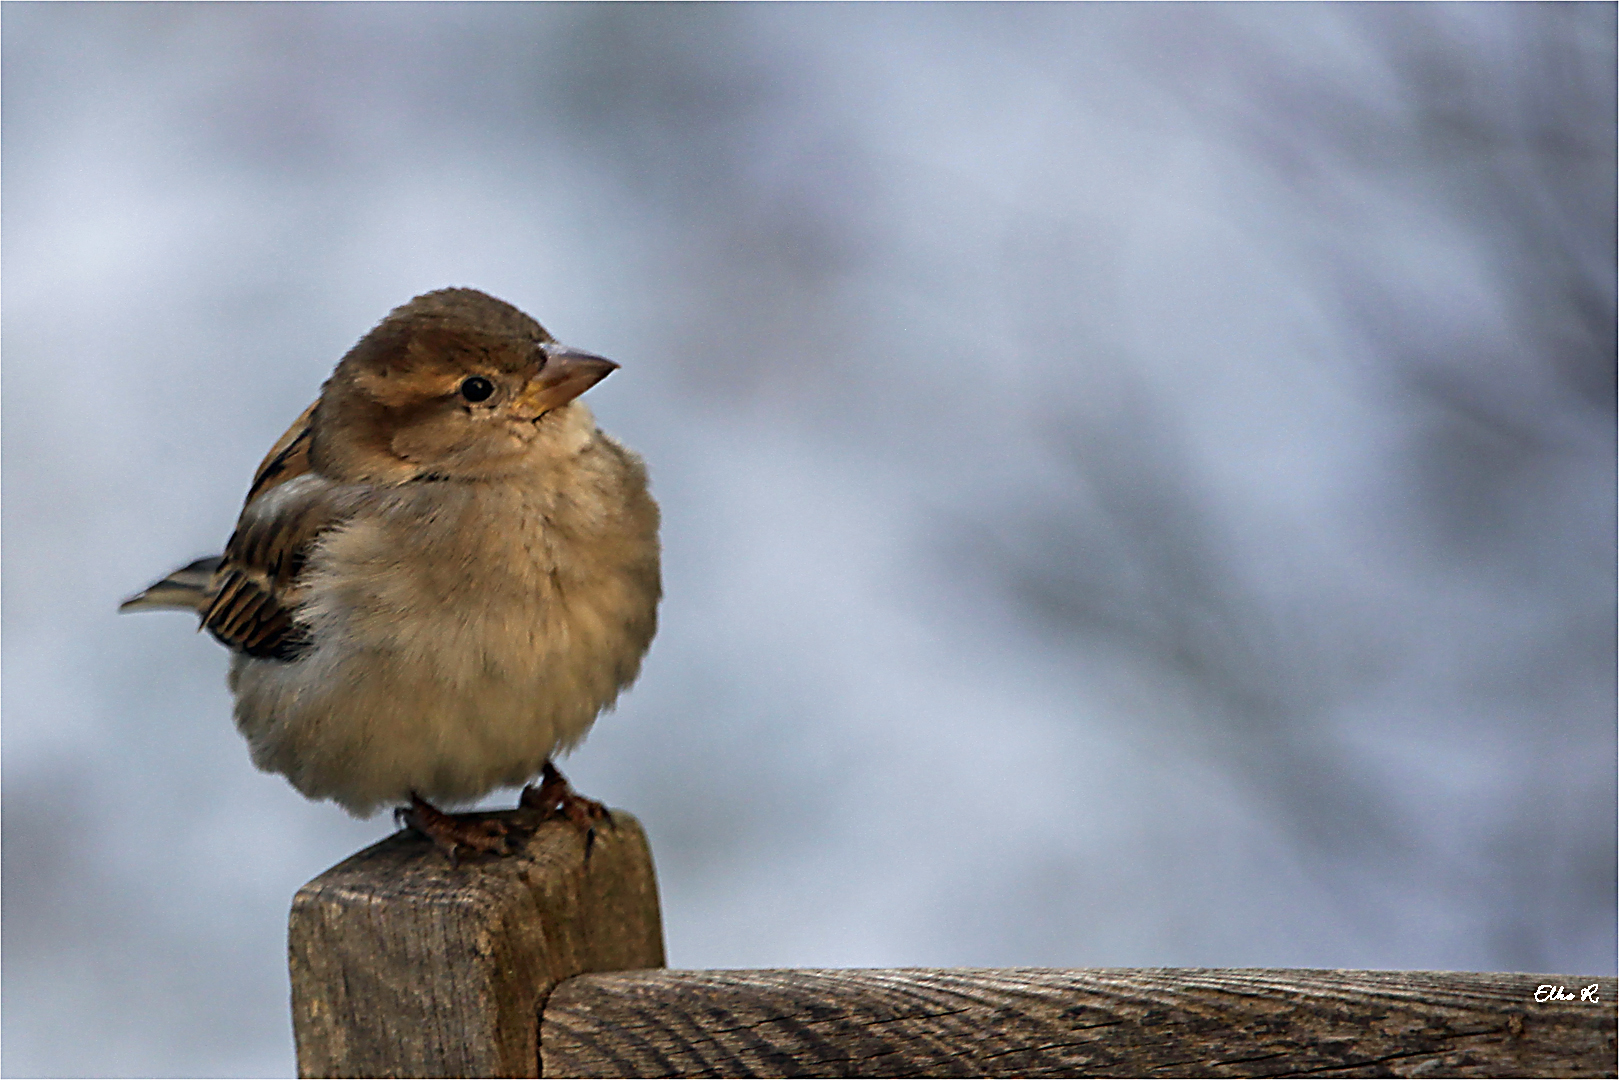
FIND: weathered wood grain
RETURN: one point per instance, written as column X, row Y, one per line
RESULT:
column 1102, row 1022
column 403, row 966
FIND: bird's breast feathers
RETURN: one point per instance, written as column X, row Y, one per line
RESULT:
column 502, row 581
column 461, row 633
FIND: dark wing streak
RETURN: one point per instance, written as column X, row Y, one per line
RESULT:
column 258, row 582
column 289, row 457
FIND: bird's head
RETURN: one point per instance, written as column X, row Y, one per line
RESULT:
column 454, row 384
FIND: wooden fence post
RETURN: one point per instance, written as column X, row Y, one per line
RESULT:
column 545, row 964
column 403, row 966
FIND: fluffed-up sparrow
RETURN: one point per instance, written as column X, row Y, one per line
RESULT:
column 442, row 573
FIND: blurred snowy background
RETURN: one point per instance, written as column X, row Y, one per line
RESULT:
column 1138, row 481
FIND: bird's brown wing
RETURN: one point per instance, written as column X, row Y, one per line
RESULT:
column 256, row 587
column 288, row 458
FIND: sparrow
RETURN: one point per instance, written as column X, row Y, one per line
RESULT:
column 442, row 574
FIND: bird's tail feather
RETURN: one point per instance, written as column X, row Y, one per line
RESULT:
column 185, row 589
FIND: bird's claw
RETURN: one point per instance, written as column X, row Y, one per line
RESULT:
column 454, row 834
column 556, row 798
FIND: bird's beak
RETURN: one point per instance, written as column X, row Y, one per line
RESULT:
column 567, row 374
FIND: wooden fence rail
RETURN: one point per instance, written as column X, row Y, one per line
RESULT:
column 550, row 964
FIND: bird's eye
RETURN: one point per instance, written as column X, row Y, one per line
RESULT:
column 477, row 388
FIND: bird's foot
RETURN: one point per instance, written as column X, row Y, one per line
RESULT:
column 555, row 797
column 454, row 834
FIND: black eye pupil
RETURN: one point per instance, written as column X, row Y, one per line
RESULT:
column 477, row 388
